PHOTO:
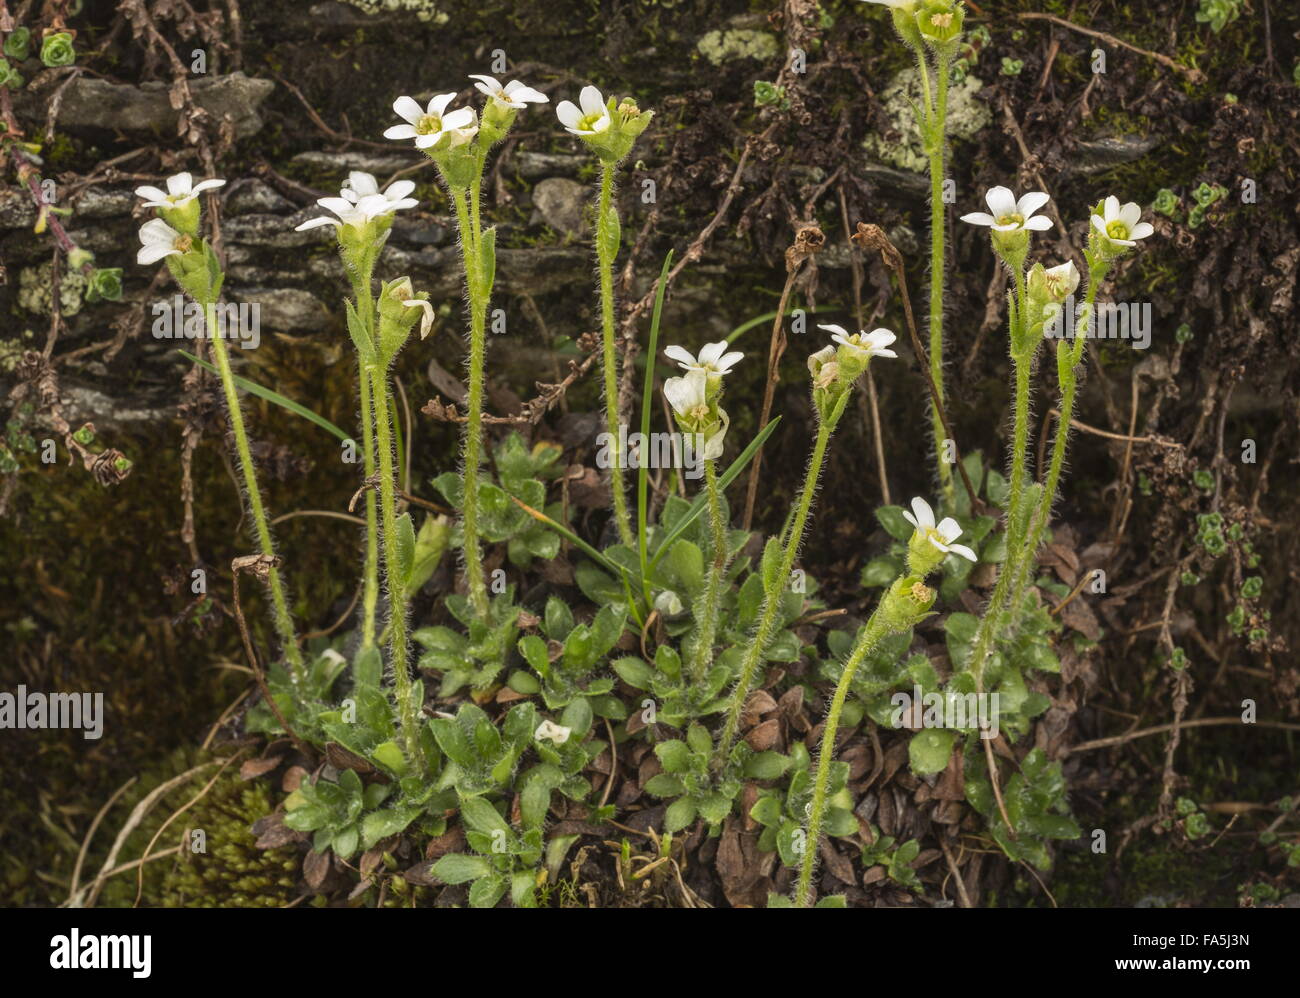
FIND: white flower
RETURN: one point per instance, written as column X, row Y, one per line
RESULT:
column 941, row 536
column 557, row 733
column 1121, row 224
column 181, row 190
column 591, row 120
column 713, row 358
column 428, row 126
column 872, row 344
column 362, row 185
column 1010, row 215
column 687, row 394
column 426, row 320
column 360, row 201
column 1062, row 280
column 669, row 604
column 513, row 94
column 158, row 240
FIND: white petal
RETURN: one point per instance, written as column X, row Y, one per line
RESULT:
column 316, row 223
column 963, row 550
column 591, row 101
column 438, row 104
column 154, row 252
column 1039, row 223
column 1141, row 230
column 340, row 206
column 362, row 183
column 207, row 185
column 680, row 394
column 1031, row 202
column 400, row 189
column 402, row 204
column 884, row 353
column 400, row 132
column 710, row 352
column 833, row 329
column 487, row 84
column 949, row 529
column 1000, row 201
column 462, row 117
column 517, row 92
column 568, row 114
column 152, row 194
column 157, row 231
column 428, row 141
column 727, row 361
column 681, row 355
column 1112, row 208
column 1099, row 224
column 408, row 108
column 924, row 514
column 179, row 184
column 1130, row 214
column 910, row 518
column 978, row 218
column 600, row 125
column 881, row 337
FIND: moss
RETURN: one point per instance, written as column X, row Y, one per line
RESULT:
column 36, row 290
column 740, row 43
column 424, row 10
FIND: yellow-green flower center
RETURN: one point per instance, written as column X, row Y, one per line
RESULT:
column 588, row 122
column 429, row 124
column 1015, row 218
column 1117, row 230
column 184, row 244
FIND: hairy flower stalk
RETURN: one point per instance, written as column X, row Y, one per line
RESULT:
column 905, row 604
column 834, row 371
column 279, row 601
column 174, row 237
column 362, row 223
column 408, row 711
column 694, row 398
column 458, row 142
column 609, row 129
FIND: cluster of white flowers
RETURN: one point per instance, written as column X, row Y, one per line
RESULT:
column 361, row 201
column 694, row 395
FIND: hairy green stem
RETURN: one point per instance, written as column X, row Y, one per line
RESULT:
column 935, row 140
column 407, row 709
column 772, row 597
column 875, row 631
column 707, row 620
column 370, row 584
column 605, row 252
column 279, row 602
column 473, row 440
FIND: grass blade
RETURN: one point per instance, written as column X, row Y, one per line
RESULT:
column 647, row 391
column 253, row 388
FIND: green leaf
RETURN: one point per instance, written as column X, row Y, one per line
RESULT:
column 634, row 672
column 674, row 756
column 481, row 816
column 665, row 785
column 766, row 766
column 430, row 545
column 487, row 891
column 930, row 749
column 894, row 522
column 405, row 545
column 680, row 813
column 488, row 258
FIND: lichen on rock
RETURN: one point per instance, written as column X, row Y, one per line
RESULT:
column 36, row 290
column 966, row 116
column 736, row 43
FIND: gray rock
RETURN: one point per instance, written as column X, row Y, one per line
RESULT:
column 93, row 103
column 535, row 165
column 1099, row 155
column 254, row 196
column 560, row 204
column 283, row 309
column 340, row 163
